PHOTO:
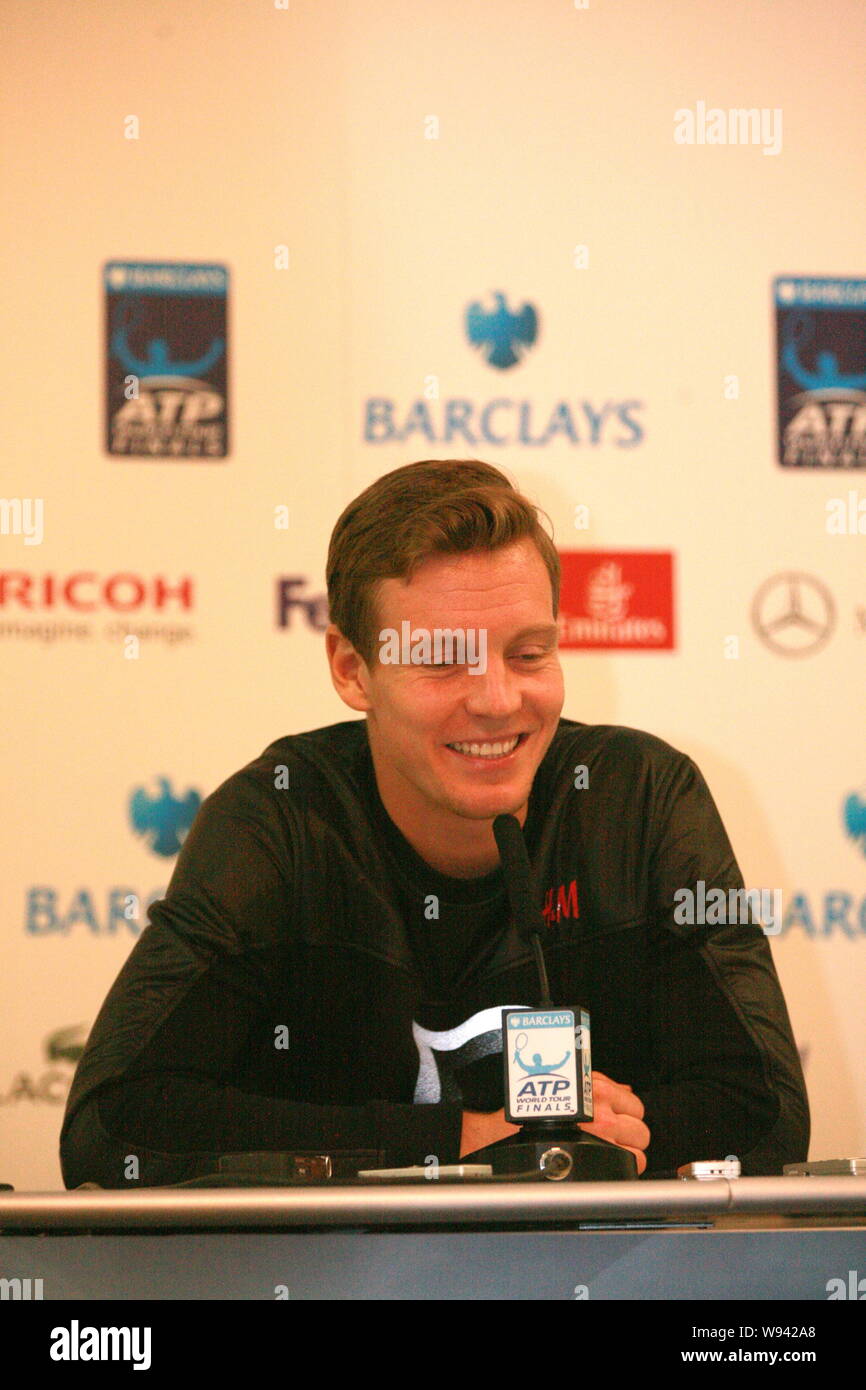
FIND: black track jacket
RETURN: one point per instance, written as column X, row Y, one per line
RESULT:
column 310, row 983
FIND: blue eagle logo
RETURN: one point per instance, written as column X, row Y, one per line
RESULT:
column 163, row 820
column 855, row 819
column 500, row 331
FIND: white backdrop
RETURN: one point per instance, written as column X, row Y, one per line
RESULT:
column 365, row 172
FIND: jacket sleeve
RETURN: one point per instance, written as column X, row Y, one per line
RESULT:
column 726, row 1074
column 159, row 1093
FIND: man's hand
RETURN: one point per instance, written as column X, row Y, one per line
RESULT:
column 480, row 1129
column 618, row 1117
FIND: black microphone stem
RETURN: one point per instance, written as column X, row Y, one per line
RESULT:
column 545, row 1002
column 520, row 885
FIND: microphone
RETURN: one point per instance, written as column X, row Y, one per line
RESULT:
column 551, row 1093
column 517, row 872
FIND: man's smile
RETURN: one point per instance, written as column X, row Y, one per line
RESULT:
column 484, row 752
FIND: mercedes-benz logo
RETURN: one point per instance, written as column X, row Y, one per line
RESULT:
column 793, row 614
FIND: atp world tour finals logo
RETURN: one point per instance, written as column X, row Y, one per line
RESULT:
column 166, row 379
column 821, row 366
column 547, row 1064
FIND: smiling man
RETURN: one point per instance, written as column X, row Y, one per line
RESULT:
column 327, row 969
column 454, row 747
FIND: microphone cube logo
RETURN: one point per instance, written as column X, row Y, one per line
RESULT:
column 547, row 1065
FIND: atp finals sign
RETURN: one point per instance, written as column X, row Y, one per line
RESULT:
column 503, row 338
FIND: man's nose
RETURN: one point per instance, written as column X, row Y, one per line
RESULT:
column 494, row 692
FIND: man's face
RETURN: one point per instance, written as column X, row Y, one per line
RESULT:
column 416, row 711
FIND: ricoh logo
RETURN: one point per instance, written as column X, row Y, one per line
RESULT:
column 21, row 1290
column 88, row 592
column 52, row 607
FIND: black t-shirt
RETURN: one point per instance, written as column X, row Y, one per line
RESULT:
column 309, row 982
column 452, row 924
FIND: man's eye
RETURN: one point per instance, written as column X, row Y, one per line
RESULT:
column 521, row 656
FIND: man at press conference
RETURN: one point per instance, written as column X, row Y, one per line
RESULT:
column 326, row 972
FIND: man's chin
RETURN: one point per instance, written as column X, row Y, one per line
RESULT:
column 487, row 805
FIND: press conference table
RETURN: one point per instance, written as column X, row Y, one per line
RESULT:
column 749, row 1238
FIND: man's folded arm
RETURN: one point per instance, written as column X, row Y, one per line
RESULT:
column 728, row 1079
column 160, row 1092
column 150, row 1131
column 726, row 1075
column 174, row 1113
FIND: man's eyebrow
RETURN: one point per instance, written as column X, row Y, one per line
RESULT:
column 550, row 630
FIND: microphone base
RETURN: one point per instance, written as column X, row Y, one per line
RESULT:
column 560, row 1153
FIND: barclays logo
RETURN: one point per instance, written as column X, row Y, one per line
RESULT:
column 854, row 817
column 499, row 332
column 503, row 336
column 837, row 913
column 51, row 913
column 163, row 820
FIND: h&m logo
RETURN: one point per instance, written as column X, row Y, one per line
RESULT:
column 566, row 904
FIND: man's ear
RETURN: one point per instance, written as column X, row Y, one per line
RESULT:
column 349, row 672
